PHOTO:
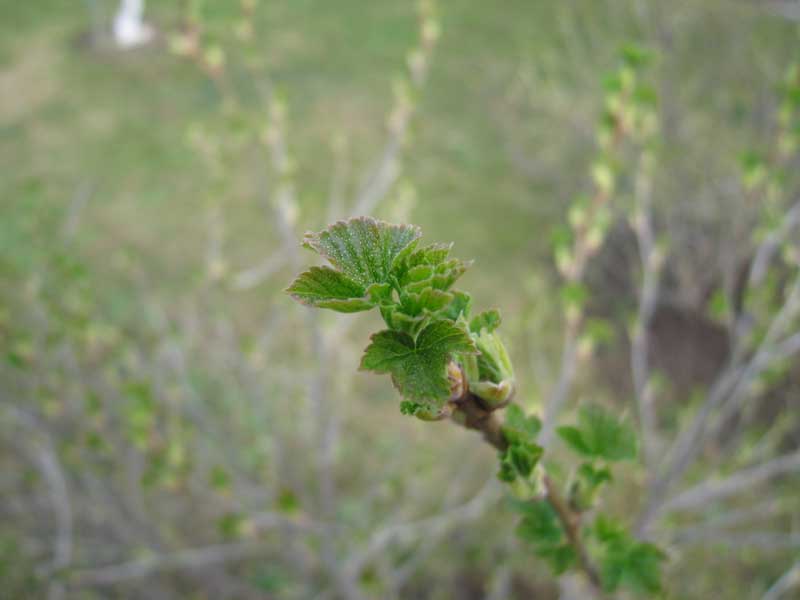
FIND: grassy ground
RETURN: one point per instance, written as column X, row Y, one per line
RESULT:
column 96, row 165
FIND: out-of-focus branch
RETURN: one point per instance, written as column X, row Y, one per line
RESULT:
column 425, row 528
column 729, row 388
column 771, row 244
column 722, row 524
column 45, row 457
column 566, row 375
column 588, row 237
column 764, row 540
column 788, row 9
column 254, row 276
column 711, row 491
column 648, row 296
column 79, row 201
column 385, row 173
column 471, row 414
column 193, row 558
column 59, row 494
column 786, row 583
column 571, row 521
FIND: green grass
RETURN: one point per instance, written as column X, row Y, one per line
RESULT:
column 113, row 127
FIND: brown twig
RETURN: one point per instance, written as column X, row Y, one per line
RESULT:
column 471, row 412
column 571, row 521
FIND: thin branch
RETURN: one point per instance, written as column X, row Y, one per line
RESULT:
column 722, row 524
column 59, row 494
column 49, row 465
column 79, row 201
column 384, row 175
column 770, row 246
column 787, row 582
column 387, row 170
column 193, row 558
column 249, row 278
column 471, row 414
column 764, row 540
column 711, row 491
column 729, row 387
column 571, row 521
column 432, row 526
column 569, row 366
column 648, row 297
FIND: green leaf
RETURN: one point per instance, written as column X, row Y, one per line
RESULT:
column 625, row 561
column 607, row 530
column 600, row 434
column 560, row 558
column 441, row 277
column 365, row 249
column 594, row 476
column 574, row 295
column 494, row 363
column 520, row 428
column 324, row 287
column 606, row 435
column 418, row 367
column 574, row 439
column 540, row 525
column 507, row 472
column 410, row 408
column 428, row 300
column 634, row 56
column 644, row 567
column 460, row 305
column 428, row 256
column 584, row 488
column 523, row 457
column 488, row 320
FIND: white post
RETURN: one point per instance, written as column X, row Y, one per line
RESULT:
column 129, row 28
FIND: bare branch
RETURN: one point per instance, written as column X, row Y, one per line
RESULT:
column 711, row 491
column 764, row 540
column 59, row 494
column 786, row 583
column 193, row 558
column 425, row 528
column 254, row 276
column 722, row 524
column 571, row 522
column 648, row 297
column 569, row 366
column 769, row 247
column 730, row 387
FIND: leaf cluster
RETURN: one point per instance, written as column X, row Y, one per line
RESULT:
column 523, row 453
column 541, row 529
column 625, row 561
column 374, row 264
column 599, row 434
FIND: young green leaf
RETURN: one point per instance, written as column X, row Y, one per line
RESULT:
column 365, row 249
column 540, row 525
column 427, row 257
column 324, row 287
column 560, row 558
column 600, row 434
column 460, row 306
column 574, row 439
column 625, row 561
column 520, row 428
column 488, row 320
column 418, row 367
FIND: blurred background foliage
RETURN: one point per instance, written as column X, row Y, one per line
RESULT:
column 166, row 410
